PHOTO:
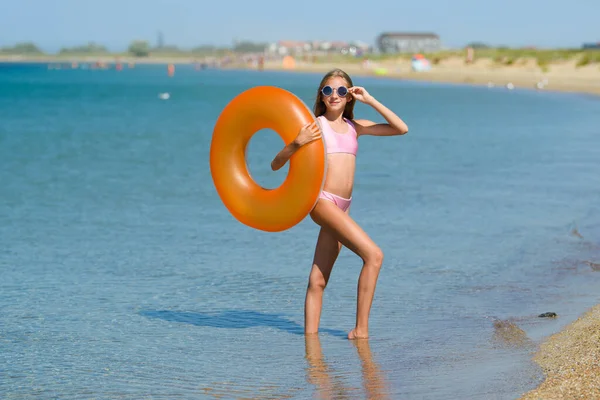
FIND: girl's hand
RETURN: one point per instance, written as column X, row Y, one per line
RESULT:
column 308, row 133
column 360, row 94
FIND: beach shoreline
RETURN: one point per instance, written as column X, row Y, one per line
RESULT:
column 570, row 360
column 560, row 76
column 566, row 78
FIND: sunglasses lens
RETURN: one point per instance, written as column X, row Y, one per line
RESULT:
column 327, row 90
column 342, row 91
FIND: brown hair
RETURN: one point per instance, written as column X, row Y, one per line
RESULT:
column 319, row 107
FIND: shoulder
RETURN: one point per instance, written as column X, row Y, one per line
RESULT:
column 361, row 125
column 322, row 121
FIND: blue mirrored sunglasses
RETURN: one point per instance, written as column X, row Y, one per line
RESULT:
column 327, row 91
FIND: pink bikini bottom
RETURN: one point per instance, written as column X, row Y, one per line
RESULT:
column 341, row 202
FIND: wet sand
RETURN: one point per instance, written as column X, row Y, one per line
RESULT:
column 570, row 360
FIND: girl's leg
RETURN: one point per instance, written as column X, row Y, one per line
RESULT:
column 326, row 252
column 346, row 231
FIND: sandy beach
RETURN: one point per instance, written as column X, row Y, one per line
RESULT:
column 570, row 360
column 564, row 76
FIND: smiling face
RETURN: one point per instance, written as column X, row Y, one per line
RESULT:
column 334, row 102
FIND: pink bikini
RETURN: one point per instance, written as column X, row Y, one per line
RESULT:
column 338, row 143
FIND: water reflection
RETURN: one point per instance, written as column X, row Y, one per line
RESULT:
column 330, row 383
column 373, row 377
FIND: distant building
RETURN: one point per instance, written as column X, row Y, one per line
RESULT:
column 317, row 47
column 401, row 42
column 289, row 47
column 591, row 46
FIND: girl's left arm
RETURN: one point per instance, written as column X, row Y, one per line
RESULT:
column 395, row 125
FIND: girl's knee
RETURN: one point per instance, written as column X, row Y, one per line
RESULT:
column 375, row 257
column 316, row 282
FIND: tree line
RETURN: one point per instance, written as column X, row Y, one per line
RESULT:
column 137, row 48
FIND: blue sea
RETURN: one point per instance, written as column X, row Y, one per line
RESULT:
column 123, row 276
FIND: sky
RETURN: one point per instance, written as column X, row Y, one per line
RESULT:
column 53, row 24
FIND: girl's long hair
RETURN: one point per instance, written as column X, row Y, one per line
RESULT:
column 319, row 107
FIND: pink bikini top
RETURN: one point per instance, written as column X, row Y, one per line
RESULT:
column 339, row 142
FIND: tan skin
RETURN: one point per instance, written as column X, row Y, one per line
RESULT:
column 337, row 227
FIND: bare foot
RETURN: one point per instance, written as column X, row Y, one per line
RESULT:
column 357, row 334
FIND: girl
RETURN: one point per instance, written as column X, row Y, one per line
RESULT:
column 334, row 109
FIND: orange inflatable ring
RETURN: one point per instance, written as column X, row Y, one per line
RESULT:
column 271, row 210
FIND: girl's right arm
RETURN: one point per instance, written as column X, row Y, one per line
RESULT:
column 308, row 133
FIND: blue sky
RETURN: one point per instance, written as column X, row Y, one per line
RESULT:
column 188, row 23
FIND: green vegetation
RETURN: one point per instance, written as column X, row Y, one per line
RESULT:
column 249, row 47
column 139, row 48
column 543, row 57
column 87, row 49
column 501, row 56
column 589, row 57
column 22, row 49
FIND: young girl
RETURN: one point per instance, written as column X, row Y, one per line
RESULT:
column 334, row 109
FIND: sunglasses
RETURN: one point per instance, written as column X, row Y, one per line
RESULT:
column 327, row 91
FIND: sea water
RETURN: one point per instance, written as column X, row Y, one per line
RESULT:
column 124, row 276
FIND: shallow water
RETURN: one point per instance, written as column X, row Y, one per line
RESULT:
column 124, row 276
